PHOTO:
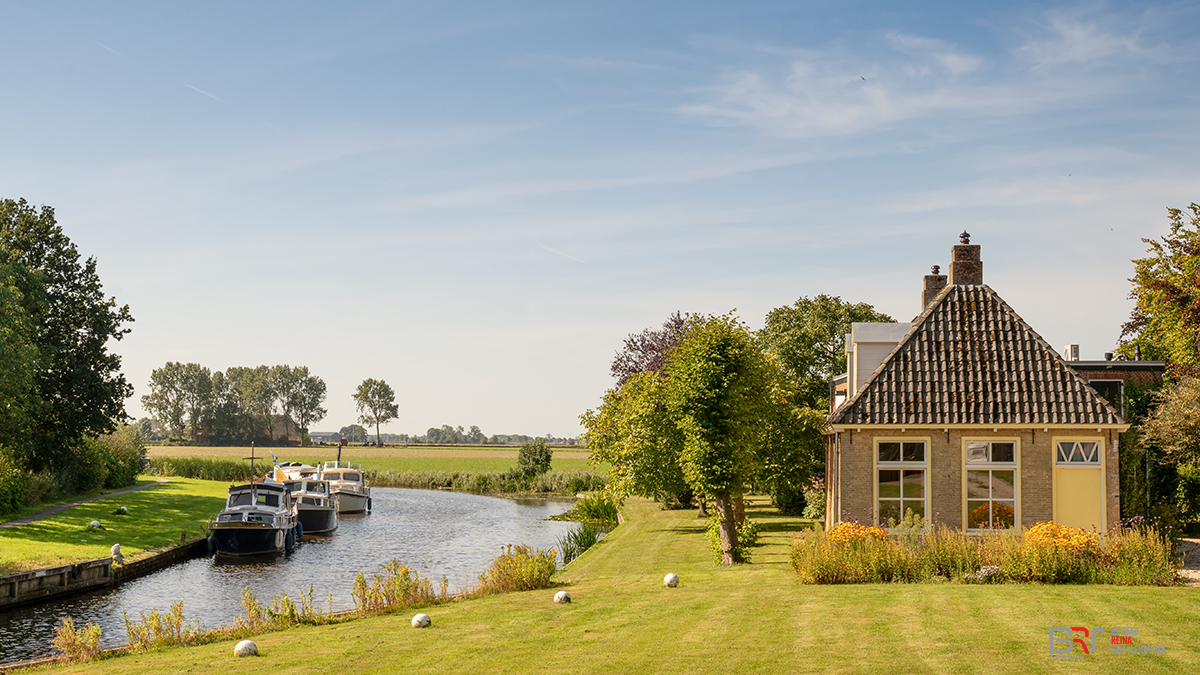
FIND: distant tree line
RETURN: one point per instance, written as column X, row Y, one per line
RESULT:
column 241, row 405
column 448, row 435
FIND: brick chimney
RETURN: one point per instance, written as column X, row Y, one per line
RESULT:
column 934, row 283
column 965, row 266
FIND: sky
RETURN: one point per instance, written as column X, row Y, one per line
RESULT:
column 477, row 201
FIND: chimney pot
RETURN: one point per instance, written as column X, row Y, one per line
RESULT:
column 965, row 266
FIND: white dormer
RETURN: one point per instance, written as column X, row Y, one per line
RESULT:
column 867, row 345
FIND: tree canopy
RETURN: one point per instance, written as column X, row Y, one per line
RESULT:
column 716, row 418
column 78, row 390
column 1166, row 289
column 376, row 404
column 808, row 339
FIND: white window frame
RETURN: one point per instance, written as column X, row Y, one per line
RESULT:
column 990, row 466
column 901, row 466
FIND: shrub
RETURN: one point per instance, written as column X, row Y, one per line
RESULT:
column 518, row 568
column 534, row 458
column 788, row 500
column 13, row 485
column 398, row 588
column 124, row 458
column 76, row 645
column 87, row 469
column 851, row 532
column 747, row 537
column 814, row 507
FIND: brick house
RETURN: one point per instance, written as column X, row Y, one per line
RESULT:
column 968, row 418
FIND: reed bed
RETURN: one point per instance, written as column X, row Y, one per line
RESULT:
column 597, row 509
column 575, row 542
column 1046, row 553
column 552, row 482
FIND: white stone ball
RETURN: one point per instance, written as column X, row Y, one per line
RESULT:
column 94, row 524
column 671, row 580
column 562, row 597
column 245, row 648
column 124, row 509
column 421, row 621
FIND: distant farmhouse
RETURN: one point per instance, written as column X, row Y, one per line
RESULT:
column 968, row 418
column 331, row 437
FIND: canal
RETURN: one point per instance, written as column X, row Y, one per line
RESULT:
column 433, row 532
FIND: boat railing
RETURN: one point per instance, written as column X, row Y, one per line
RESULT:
column 357, row 466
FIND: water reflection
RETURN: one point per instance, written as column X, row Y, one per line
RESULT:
column 433, row 532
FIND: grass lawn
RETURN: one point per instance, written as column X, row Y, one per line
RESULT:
column 393, row 458
column 156, row 517
column 747, row 618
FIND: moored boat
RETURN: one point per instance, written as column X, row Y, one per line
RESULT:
column 347, row 486
column 314, row 505
column 258, row 519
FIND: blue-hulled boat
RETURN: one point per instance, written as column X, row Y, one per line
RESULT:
column 258, row 519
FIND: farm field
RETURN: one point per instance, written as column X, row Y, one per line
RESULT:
column 157, row 516
column 393, row 458
column 751, row 618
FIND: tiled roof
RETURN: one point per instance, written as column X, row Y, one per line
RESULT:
column 969, row 359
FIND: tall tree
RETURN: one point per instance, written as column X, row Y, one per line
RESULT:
column 285, row 383
column 808, row 339
column 646, row 352
column 18, row 354
column 251, row 389
column 376, row 403
column 1165, row 322
column 166, row 398
column 306, row 400
column 79, row 387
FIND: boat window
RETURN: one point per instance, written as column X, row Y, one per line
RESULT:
column 350, row 476
column 309, row 500
column 268, row 500
column 334, row 476
column 292, row 486
column 240, row 499
column 316, row 487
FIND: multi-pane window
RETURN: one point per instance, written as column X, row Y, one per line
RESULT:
column 901, row 469
column 1078, row 453
column 991, row 484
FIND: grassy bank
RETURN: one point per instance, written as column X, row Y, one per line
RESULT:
column 748, row 618
column 157, row 516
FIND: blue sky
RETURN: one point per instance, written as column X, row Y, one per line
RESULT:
column 476, row 202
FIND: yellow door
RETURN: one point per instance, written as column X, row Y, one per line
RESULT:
column 1078, row 498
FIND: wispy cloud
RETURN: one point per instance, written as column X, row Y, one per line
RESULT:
column 202, row 92
column 107, row 47
column 569, row 257
column 839, row 92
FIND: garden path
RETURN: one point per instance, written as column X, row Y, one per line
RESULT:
column 45, row 513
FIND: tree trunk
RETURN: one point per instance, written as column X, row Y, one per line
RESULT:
column 702, row 505
column 728, row 528
column 377, row 443
column 739, row 510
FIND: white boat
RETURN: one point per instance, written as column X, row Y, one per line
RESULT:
column 285, row 471
column 348, row 486
column 258, row 519
column 314, row 505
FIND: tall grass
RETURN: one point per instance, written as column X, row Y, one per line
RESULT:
column 600, row 509
column 204, row 468
column 1125, row 556
column 575, row 542
column 160, row 629
column 553, row 482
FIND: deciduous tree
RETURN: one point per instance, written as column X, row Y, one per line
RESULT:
column 78, row 385
column 1165, row 321
column 376, row 403
column 808, row 339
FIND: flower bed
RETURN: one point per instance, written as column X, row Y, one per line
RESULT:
column 1045, row 553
